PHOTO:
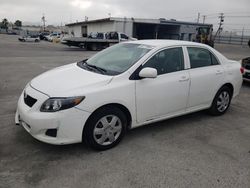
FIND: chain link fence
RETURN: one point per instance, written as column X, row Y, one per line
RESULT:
column 229, row 39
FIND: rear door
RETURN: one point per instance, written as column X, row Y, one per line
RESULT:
column 167, row 93
column 206, row 74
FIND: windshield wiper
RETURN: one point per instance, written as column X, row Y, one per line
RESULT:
column 95, row 67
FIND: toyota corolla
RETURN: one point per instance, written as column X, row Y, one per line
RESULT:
column 126, row 86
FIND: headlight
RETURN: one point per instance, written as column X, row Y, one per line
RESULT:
column 57, row 104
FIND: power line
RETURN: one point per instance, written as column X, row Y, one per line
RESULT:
column 235, row 24
column 239, row 29
column 236, row 12
column 238, row 16
column 226, row 13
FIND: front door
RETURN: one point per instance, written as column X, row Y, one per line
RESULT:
column 167, row 93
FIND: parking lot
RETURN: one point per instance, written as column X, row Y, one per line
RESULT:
column 196, row 150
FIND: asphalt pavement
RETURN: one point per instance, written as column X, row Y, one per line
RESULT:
column 195, row 150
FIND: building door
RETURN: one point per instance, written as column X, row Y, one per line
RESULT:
column 84, row 31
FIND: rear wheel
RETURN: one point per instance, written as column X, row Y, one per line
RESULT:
column 221, row 101
column 105, row 128
column 94, row 47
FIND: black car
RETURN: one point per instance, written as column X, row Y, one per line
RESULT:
column 246, row 68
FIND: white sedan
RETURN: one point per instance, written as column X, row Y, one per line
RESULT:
column 126, row 86
column 29, row 38
column 53, row 36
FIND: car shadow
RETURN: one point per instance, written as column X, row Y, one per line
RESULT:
column 170, row 124
column 67, row 49
column 246, row 84
column 77, row 49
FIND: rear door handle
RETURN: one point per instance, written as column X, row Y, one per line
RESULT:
column 183, row 79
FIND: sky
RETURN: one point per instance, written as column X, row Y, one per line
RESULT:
column 57, row 12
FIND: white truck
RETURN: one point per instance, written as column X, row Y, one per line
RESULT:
column 97, row 41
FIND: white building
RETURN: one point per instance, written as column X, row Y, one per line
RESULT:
column 138, row 28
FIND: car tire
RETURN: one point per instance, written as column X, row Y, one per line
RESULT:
column 105, row 128
column 221, row 101
column 36, row 40
column 94, row 47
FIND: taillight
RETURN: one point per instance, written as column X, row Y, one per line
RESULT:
column 242, row 70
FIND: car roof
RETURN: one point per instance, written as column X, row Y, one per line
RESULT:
column 160, row 43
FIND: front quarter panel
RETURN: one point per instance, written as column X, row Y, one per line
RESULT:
column 120, row 90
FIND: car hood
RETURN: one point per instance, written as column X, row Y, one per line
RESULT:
column 68, row 80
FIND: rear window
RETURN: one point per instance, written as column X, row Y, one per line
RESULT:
column 200, row 57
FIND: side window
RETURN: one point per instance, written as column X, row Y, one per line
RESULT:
column 123, row 36
column 214, row 60
column 200, row 57
column 113, row 35
column 166, row 61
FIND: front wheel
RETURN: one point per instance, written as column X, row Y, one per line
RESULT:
column 105, row 128
column 221, row 101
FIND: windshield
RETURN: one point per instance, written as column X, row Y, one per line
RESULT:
column 119, row 58
column 203, row 30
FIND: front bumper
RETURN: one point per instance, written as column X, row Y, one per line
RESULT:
column 67, row 123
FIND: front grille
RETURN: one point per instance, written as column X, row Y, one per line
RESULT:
column 246, row 75
column 247, row 66
column 30, row 101
column 246, row 63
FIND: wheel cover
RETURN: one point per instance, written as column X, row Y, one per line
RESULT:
column 107, row 130
column 223, row 101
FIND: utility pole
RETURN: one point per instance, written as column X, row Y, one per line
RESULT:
column 70, row 17
column 229, row 42
column 221, row 22
column 204, row 18
column 221, row 17
column 242, row 35
column 43, row 21
column 198, row 18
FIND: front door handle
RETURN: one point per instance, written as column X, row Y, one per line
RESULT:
column 218, row 72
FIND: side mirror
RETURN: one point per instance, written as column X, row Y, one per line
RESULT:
column 148, row 73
